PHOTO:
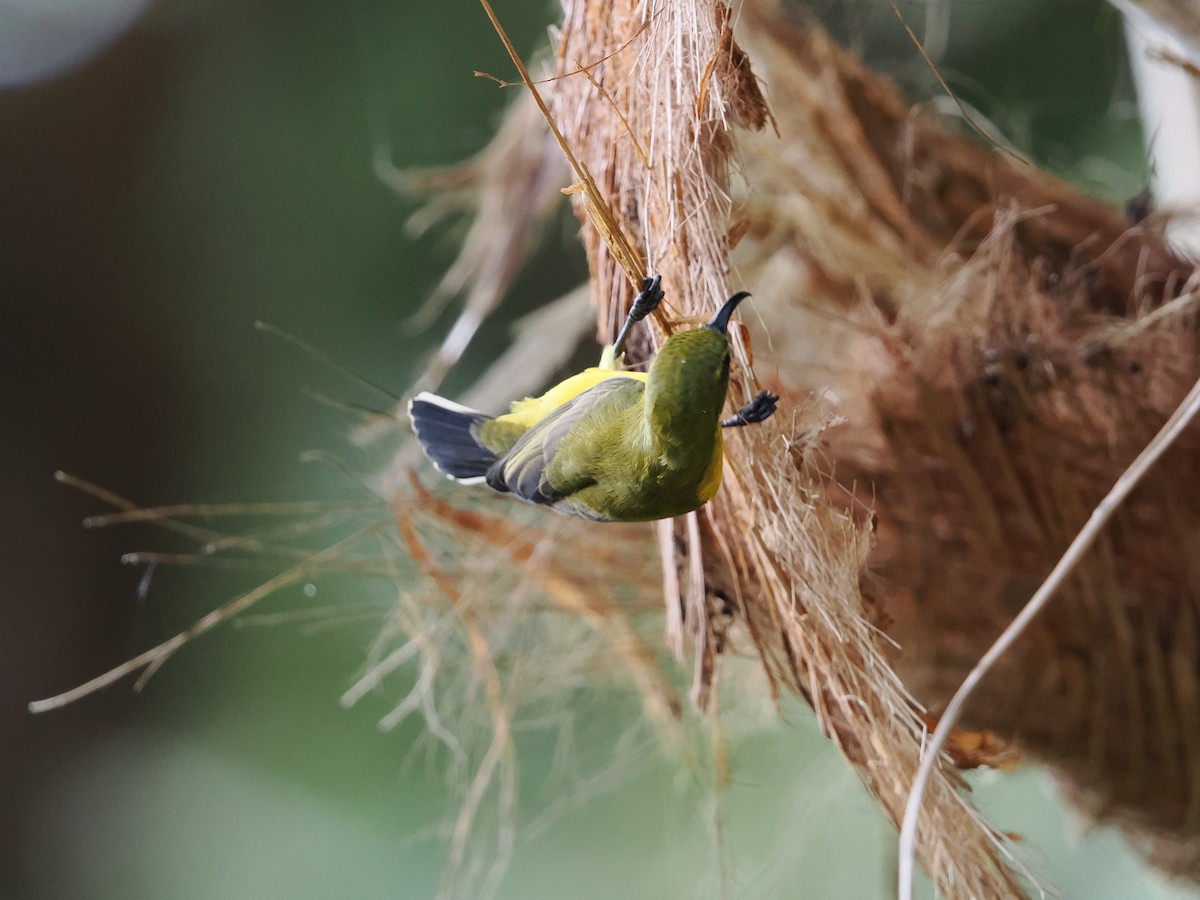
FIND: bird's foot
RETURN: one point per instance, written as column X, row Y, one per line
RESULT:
column 757, row 410
column 643, row 304
column 648, row 300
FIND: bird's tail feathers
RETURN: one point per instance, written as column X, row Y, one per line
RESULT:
column 447, row 432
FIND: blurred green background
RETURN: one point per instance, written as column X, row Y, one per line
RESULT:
column 213, row 167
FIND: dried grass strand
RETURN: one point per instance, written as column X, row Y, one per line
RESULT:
column 149, row 661
column 596, row 204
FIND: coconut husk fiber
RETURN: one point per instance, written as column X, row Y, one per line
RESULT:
column 969, row 353
column 1005, row 348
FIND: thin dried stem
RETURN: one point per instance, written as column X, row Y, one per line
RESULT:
column 153, row 658
column 1100, row 516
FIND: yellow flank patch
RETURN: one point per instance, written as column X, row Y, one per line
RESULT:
column 712, row 475
column 531, row 410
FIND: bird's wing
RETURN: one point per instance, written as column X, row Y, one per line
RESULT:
column 522, row 470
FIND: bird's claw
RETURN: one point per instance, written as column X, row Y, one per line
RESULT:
column 648, row 300
column 643, row 304
column 757, row 410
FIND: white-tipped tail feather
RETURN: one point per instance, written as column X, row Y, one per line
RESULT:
column 448, row 433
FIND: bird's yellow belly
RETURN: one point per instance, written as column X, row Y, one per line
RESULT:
column 711, row 481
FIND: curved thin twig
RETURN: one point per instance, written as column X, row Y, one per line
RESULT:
column 1174, row 426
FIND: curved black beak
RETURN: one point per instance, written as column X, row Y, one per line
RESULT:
column 720, row 322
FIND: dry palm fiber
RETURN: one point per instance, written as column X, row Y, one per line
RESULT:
column 655, row 124
column 1006, row 348
column 992, row 349
column 782, row 557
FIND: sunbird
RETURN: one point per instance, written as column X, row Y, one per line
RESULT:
column 606, row 444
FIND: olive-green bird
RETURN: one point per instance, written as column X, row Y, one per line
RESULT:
column 605, row 444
